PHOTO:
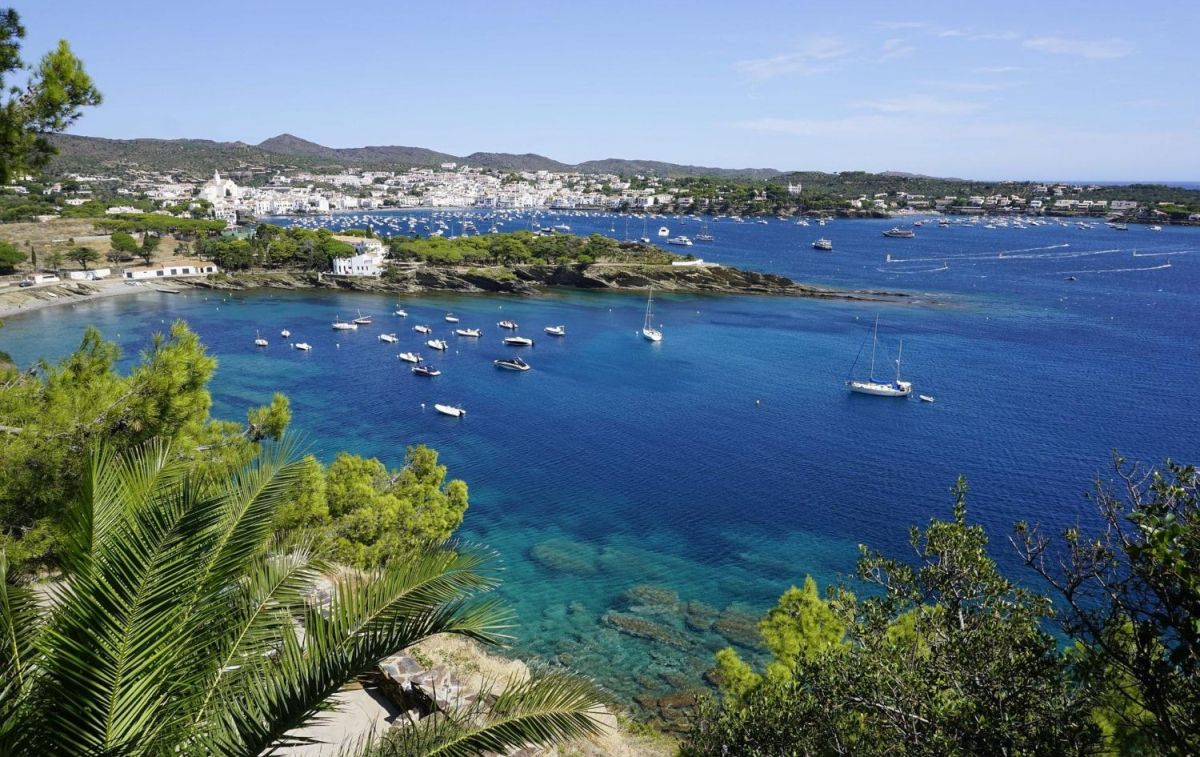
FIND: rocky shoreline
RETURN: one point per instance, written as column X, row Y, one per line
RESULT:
column 532, row 279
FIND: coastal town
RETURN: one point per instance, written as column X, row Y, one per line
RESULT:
column 244, row 195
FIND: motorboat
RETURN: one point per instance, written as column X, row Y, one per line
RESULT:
column 926, row 397
column 649, row 332
column 823, row 244
column 663, row 231
column 507, row 324
column 409, row 357
column 259, row 341
column 1155, row 228
column 512, row 364
column 451, row 318
column 450, row 410
column 305, row 346
column 437, row 344
column 556, row 330
column 469, row 332
column 425, row 370
column 285, row 333
column 680, row 240
column 518, row 341
column 345, row 326
column 869, row 385
column 899, row 233
column 421, row 328
column 389, row 338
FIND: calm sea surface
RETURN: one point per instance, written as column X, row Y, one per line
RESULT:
column 728, row 461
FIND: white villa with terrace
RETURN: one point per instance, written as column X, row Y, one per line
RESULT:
column 368, row 261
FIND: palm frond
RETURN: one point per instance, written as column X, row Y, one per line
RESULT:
column 547, row 708
column 21, row 622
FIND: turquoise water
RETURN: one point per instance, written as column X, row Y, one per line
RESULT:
column 727, row 462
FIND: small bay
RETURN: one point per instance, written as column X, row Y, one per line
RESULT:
column 726, row 463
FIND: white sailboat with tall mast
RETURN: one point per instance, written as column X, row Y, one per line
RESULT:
column 895, row 388
column 648, row 331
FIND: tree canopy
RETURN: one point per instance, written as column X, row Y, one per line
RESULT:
column 57, row 90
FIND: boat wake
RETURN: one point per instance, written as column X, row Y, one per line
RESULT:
column 1032, row 253
column 1124, row 270
column 914, row 270
column 1137, row 254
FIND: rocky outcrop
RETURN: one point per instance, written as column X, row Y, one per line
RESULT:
column 530, row 279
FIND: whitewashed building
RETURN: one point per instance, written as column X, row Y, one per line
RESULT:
column 368, row 261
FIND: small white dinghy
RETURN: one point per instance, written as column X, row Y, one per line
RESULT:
column 450, row 410
column 305, row 346
column 285, row 333
column 259, row 341
column 926, row 397
column 451, row 318
column 389, row 338
column 409, row 357
column 401, row 312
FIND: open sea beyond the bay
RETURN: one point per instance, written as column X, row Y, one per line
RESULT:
column 729, row 461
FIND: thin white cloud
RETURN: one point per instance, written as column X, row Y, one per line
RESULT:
column 902, row 24
column 815, row 56
column 896, row 48
column 817, row 127
column 1092, row 49
column 966, row 86
column 998, row 69
column 925, row 105
column 951, row 33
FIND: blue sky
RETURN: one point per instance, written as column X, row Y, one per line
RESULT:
column 1081, row 90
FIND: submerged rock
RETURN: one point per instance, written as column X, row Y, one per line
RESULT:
column 647, row 599
column 700, row 617
column 639, row 627
column 565, row 556
column 739, row 628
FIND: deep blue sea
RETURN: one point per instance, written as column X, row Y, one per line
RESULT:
column 728, row 462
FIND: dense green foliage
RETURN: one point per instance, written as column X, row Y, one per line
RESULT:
column 948, row 657
column 63, row 409
column 10, row 257
column 181, row 626
column 1132, row 592
column 275, row 247
column 523, row 247
column 157, row 223
column 56, row 90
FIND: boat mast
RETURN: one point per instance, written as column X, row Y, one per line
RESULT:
column 649, row 300
column 898, row 356
column 874, row 339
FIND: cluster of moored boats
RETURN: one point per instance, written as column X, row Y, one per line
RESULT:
column 422, row 368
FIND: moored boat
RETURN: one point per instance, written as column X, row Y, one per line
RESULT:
column 437, row 344
column 389, row 338
column 259, row 341
column 899, row 233
column 285, row 333
column 421, row 328
column 511, row 364
column 363, row 320
column 344, row 326
column 649, row 332
column 425, row 370
column 680, row 240
column 451, row 318
column 409, row 357
column 823, row 244
column 556, row 330
column 450, row 410
column 870, row 385
column 305, row 346
column 507, row 324
column 518, row 341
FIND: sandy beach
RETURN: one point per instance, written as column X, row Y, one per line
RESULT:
column 16, row 300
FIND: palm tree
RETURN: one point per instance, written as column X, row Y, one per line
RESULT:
column 183, row 626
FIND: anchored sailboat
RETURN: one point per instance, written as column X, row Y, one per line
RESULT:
column 895, row 388
column 649, row 332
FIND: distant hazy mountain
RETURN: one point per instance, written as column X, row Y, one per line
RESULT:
column 200, row 156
